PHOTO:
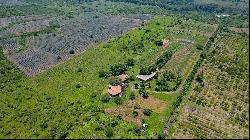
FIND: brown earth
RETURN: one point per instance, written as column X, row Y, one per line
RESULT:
column 126, row 110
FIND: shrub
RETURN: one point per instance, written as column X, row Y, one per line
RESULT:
column 199, row 47
column 114, row 81
column 132, row 96
column 114, row 123
column 79, row 70
column 135, row 114
column 118, row 69
column 147, row 112
column 200, row 78
column 58, row 57
column 132, row 78
column 161, row 135
column 136, row 86
column 104, row 74
column 93, row 95
column 78, row 86
column 143, row 93
column 105, row 98
column 109, row 132
column 118, row 100
column 130, row 62
column 137, row 106
column 159, row 43
column 71, row 52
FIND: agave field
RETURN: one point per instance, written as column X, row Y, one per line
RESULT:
column 41, row 50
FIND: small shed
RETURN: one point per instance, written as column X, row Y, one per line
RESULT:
column 146, row 78
column 123, row 77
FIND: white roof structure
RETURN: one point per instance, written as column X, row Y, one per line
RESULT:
column 146, row 77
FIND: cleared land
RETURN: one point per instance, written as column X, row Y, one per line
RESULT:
column 72, row 36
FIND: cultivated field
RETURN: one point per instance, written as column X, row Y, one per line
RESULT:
column 72, row 50
column 220, row 108
column 44, row 50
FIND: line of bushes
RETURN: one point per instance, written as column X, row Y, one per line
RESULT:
column 160, row 62
column 188, row 83
column 117, row 69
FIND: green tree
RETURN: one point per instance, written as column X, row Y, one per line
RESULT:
column 104, row 74
column 118, row 100
column 135, row 114
column 114, row 81
column 147, row 112
column 130, row 62
column 105, row 98
column 132, row 96
column 109, row 132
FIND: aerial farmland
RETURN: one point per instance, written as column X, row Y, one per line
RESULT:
column 105, row 69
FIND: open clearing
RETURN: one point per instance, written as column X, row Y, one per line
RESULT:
column 155, row 104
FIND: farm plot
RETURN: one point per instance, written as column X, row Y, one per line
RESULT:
column 9, row 21
column 196, row 26
column 9, row 46
column 218, row 105
column 75, row 35
column 138, row 105
column 181, row 60
column 176, row 70
column 29, row 26
column 11, row 2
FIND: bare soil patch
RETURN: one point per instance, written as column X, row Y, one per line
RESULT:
column 126, row 110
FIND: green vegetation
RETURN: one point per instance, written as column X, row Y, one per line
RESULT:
column 168, row 82
column 201, row 89
column 222, row 93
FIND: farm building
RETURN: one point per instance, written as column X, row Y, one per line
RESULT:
column 146, row 78
column 123, row 77
column 115, row 90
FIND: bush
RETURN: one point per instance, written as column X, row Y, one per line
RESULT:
column 79, row 70
column 161, row 136
column 105, row 98
column 199, row 47
column 159, row 43
column 103, row 74
column 118, row 100
column 93, row 95
column 130, row 62
column 109, row 132
column 114, row 123
column 132, row 96
column 78, row 86
column 137, row 106
column 118, row 69
column 143, row 93
column 114, row 81
column 71, row 52
column 147, row 112
column 135, row 114
column 200, row 78
column 136, row 86
column 58, row 57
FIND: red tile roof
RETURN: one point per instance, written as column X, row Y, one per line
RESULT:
column 114, row 90
column 123, row 77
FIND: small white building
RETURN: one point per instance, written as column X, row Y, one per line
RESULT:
column 146, row 78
